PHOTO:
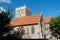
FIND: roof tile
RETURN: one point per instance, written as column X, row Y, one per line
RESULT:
column 33, row 19
column 47, row 19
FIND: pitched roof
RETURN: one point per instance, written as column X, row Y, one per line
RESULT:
column 47, row 19
column 33, row 19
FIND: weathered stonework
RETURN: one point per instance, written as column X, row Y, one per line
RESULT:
column 39, row 28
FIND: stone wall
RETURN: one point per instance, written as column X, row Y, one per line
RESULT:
column 28, row 32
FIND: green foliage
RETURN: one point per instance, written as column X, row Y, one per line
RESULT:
column 5, row 18
column 55, row 27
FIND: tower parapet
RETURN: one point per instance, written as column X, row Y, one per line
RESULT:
column 22, row 11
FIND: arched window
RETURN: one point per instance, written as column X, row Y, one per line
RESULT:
column 27, row 30
column 32, row 30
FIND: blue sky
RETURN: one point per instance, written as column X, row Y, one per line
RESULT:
column 48, row 7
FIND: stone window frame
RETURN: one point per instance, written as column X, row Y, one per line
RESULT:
column 18, row 10
column 27, row 30
column 32, row 30
column 21, row 10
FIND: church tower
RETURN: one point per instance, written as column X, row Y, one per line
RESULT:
column 22, row 11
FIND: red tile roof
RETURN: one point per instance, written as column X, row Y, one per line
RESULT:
column 47, row 19
column 33, row 19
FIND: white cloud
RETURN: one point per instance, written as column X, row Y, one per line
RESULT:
column 5, row 1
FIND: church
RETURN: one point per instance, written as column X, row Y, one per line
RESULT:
column 34, row 25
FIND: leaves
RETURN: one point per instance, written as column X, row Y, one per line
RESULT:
column 5, row 18
column 55, row 27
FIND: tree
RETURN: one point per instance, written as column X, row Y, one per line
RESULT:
column 5, row 18
column 19, row 33
column 55, row 27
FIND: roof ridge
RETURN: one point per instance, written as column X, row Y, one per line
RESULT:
column 32, row 19
column 29, row 15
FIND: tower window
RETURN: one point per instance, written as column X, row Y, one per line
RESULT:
column 20, row 14
column 21, row 10
column 32, row 30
